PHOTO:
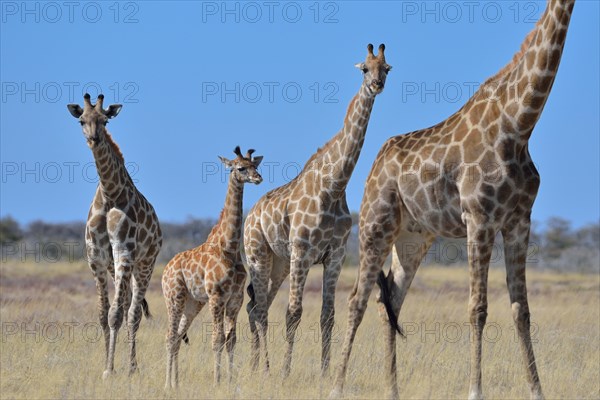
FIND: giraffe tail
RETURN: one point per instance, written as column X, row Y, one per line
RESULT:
column 146, row 309
column 386, row 299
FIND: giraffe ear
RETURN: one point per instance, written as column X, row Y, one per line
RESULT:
column 361, row 66
column 257, row 160
column 113, row 110
column 75, row 110
column 226, row 162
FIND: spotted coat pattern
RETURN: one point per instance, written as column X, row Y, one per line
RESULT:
column 468, row 176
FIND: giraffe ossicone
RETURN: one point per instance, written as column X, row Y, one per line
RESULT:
column 122, row 233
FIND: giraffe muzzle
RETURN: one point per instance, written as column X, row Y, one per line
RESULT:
column 377, row 85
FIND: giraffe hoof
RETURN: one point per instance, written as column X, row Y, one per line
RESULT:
column 475, row 395
column 335, row 393
column 286, row 370
column 170, row 388
column 537, row 395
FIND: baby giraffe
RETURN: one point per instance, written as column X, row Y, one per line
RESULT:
column 211, row 273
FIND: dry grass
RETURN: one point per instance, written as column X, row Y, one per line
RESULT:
column 48, row 351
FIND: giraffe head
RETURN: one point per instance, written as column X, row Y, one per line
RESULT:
column 375, row 70
column 93, row 118
column 243, row 168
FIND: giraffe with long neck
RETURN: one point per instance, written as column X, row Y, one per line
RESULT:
column 306, row 222
column 470, row 175
column 212, row 273
column 122, row 234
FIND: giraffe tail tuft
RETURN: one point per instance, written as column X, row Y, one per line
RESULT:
column 146, row 309
column 250, row 291
column 387, row 302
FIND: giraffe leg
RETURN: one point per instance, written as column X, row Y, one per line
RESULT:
column 409, row 250
column 181, row 310
column 331, row 272
column 480, row 241
column 175, row 306
column 260, row 264
column 217, row 309
column 375, row 245
column 116, row 312
column 357, row 305
column 299, row 266
column 279, row 271
column 230, row 339
column 231, row 312
column 103, row 305
column 100, row 263
column 190, row 311
column 139, row 286
column 516, row 241
column 255, row 339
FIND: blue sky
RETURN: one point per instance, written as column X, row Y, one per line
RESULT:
column 198, row 78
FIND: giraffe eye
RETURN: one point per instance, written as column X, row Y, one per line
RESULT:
column 81, row 123
column 365, row 70
column 241, row 169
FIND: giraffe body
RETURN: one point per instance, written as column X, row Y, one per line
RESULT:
column 213, row 274
column 122, row 234
column 469, row 176
column 307, row 222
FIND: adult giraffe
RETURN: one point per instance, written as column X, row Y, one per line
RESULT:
column 122, row 234
column 306, row 222
column 470, row 175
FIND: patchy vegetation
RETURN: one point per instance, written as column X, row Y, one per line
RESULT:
column 51, row 342
column 554, row 246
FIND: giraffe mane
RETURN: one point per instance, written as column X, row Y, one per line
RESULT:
column 114, row 146
column 330, row 142
column 518, row 57
column 216, row 226
column 316, row 154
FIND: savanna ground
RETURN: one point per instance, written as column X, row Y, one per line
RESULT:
column 51, row 347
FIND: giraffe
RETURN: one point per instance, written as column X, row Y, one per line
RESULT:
column 122, row 234
column 306, row 222
column 211, row 273
column 470, row 175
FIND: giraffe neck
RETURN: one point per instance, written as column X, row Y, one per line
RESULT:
column 341, row 153
column 111, row 168
column 523, row 87
column 228, row 230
